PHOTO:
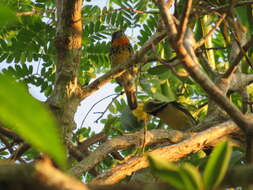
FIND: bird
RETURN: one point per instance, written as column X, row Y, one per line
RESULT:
column 172, row 113
column 120, row 52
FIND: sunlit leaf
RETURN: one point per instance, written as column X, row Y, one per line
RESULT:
column 217, row 165
column 22, row 113
column 7, row 16
column 191, row 177
column 166, row 171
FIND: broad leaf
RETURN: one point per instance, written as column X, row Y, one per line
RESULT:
column 217, row 165
column 28, row 117
column 191, row 177
column 166, row 171
column 7, row 16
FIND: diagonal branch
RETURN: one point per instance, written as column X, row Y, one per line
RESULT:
column 202, row 41
column 240, row 80
column 170, row 153
column 237, row 60
column 120, row 69
column 184, row 21
column 241, row 48
column 213, row 91
column 123, row 142
column 10, row 134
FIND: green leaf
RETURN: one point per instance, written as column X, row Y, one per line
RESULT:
column 191, row 177
column 7, row 16
column 244, row 14
column 167, row 91
column 128, row 121
column 168, row 172
column 161, row 97
column 217, row 165
column 28, row 117
column 157, row 70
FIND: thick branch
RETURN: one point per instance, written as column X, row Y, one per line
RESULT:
column 23, row 177
column 123, row 142
column 240, row 80
column 213, row 91
column 92, row 140
column 170, row 153
column 40, row 176
column 64, row 101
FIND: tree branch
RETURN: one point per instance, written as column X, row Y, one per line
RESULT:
column 202, row 40
column 10, row 134
column 238, row 58
column 26, row 176
column 170, row 153
column 184, row 21
column 240, row 80
column 123, row 142
column 214, row 92
column 40, row 176
column 102, row 136
column 120, row 69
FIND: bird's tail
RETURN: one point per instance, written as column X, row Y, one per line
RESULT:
column 131, row 99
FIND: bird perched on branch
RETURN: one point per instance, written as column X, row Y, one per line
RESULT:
column 171, row 113
column 121, row 50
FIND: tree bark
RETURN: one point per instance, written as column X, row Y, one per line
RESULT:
column 64, row 99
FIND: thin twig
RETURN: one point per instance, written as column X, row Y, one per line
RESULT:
column 200, row 11
column 33, row 12
column 6, row 143
column 205, row 64
column 118, row 131
column 237, row 60
column 214, row 48
column 241, row 48
column 184, row 21
column 168, row 64
column 202, row 41
column 107, row 107
column 131, row 9
column 10, row 134
column 238, row 4
column 20, row 151
column 94, row 106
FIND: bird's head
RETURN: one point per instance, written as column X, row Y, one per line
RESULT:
column 152, row 106
column 119, row 38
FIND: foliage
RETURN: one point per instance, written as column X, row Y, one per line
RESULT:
column 188, row 177
column 28, row 54
column 17, row 113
